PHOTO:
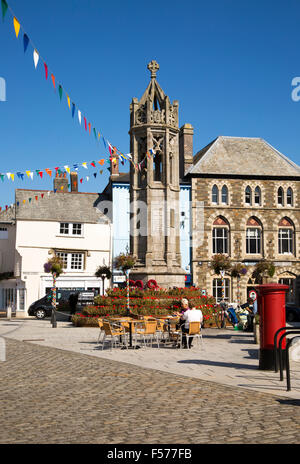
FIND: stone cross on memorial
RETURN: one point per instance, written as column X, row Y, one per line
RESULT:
column 153, row 67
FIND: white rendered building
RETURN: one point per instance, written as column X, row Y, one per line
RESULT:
column 43, row 224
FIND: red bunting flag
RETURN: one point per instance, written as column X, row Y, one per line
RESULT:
column 81, row 181
column 93, row 164
column 42, row 195
column 41, row 174
column 46, row 71
column 85, row 125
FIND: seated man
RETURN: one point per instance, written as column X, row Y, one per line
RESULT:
column 190, row 315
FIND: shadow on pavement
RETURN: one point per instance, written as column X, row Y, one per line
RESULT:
column 218, row 364
column 289, row 402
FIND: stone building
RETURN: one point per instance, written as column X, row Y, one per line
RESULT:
column 243, row 200
column 251, row 199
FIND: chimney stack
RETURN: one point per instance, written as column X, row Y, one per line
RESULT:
column 186, row 135
column 74, row 182
column 114, row 163
column 61, row 182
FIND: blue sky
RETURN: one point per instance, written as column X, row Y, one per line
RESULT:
column 229, row 63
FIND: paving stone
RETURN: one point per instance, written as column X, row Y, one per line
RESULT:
column 57, row 396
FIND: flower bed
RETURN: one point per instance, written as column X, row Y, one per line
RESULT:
column 158, row 302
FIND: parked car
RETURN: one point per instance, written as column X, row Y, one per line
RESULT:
column 292, row 313
column 43, row 307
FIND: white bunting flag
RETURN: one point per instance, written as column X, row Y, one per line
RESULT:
column 36, row 57
column 79, row 116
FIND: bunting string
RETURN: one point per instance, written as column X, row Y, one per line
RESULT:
column 37, row 58
column 74, row 108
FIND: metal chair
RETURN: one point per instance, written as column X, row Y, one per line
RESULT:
column 194, row 332
column 114, row 334
column 149, row 331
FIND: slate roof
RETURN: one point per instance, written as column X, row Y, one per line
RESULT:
column 60, row 207
column 242, row 156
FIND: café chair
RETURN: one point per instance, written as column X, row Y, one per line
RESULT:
column 114, row 334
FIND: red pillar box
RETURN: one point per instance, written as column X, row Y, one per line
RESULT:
column 271, row 309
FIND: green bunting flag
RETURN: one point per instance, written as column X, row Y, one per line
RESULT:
column 4, row 6
column 60, row 91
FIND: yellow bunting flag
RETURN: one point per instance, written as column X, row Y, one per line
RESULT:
column 17, row 26
column 84, row 165
column 67, row 169
column 69, row 102
column 24, row 201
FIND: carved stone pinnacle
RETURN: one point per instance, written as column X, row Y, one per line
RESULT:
column 153, row 67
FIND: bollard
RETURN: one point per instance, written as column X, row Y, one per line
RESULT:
column 8, row 312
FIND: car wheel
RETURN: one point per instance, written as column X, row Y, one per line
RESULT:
column 290, row 317
column 40, row 313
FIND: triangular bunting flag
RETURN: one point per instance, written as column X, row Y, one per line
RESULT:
column 81, row 181
column 101, row 162
column 25, row 42
column 79, row 117
column 85, row 124
column 95, row 175
column 90, row 127
column 93, row 164
column 84, row 165
column 73, row 110
column 48, row 171
column 53, row 80
column 69, row 102
column 16, row 26
column 46, row 71
column 60, row 91
column 36, row 57
column 4, row 6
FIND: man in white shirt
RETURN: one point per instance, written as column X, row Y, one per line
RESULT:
column 190, row 315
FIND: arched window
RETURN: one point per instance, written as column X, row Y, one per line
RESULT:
column 215, row 195
column 257, row 196
column 253, row 237
column 220, row 236
column 225, row 195
column 286, row 237
column 248, row 195
column 289, row 196
column 280, row 196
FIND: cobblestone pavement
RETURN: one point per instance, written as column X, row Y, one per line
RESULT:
column 55, row 396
